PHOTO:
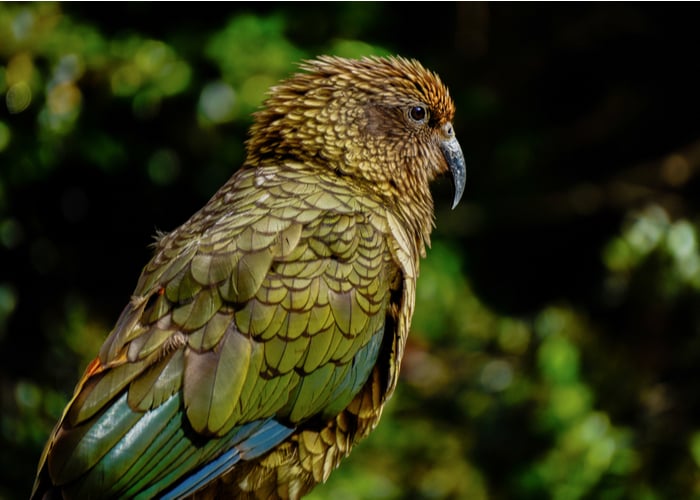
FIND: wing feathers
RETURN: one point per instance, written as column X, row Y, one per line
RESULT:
column 273, row 311
column 158, row 383
column 213, row 381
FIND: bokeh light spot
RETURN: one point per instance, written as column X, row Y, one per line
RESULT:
column 22, row 24
column 70, row 68
column 513, row 337
column 125, row 80
column 20, row 69
column 174, row 77
column 8, row 302
column 681, row 239
column 27, row 395
column 18, row 97
column 11, row 233
column 253, row 90
column 151, row 56
column 216, row 102
column 163, row 166
column 675, row 170
column 648, row 228
column 496, row 375
column 569, row 401
column 558, row 360
column 64, row 99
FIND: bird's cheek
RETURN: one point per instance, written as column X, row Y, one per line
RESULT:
column 436, row 164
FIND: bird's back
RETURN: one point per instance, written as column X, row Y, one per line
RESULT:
column 251, row 339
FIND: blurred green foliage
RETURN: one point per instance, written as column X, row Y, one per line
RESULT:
column 556, row 339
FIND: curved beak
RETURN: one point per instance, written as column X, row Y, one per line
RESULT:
column 455, row 160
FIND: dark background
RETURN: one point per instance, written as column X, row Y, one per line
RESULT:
column 556, row 341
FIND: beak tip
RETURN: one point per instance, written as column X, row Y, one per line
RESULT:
column 459, row 190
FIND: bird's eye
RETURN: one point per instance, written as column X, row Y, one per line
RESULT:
column 418, row 113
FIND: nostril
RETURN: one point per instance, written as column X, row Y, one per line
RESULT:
column 448, row 130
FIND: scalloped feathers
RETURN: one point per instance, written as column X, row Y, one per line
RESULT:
column 266, row 333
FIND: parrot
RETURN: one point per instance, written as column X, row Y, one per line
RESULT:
column 266, row 333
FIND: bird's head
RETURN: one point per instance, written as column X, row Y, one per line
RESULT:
column 384, row 121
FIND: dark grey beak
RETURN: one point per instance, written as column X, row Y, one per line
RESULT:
column 455, row 160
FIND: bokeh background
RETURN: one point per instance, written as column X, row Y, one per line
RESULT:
column 555, row 350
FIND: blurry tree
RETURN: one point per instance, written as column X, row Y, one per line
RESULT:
column 556, row 344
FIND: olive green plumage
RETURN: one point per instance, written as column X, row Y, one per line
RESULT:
column 266, row 333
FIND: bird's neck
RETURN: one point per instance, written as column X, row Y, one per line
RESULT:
column 415, row 211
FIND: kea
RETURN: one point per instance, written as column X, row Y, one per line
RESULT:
column 266, row 333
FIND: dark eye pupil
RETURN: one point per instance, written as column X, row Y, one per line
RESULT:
column 418, row 113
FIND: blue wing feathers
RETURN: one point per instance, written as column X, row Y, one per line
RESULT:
column 267, row 437
column 203, row 475
column 267, row 434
